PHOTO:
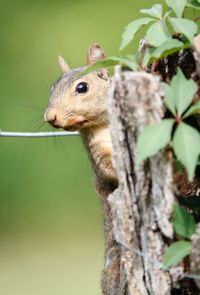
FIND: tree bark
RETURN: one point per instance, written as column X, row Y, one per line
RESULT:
column 142, row 205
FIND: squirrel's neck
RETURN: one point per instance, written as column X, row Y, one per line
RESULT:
column 97, row 141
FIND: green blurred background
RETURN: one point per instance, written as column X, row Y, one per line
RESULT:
column 51, row 233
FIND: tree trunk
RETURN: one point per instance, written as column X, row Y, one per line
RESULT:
column 142, row 205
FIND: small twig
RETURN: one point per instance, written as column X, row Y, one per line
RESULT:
column 37, row 134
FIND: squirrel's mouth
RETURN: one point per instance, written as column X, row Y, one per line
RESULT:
column 76, row 126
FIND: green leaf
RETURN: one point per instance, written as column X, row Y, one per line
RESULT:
column 194, row 109
column 184, row 91
column 179, row 93
column 128, row 61
column 167, row 48
column 184, row 26
column 193, row 4
column 177, row 6
column 186, row 145
column 176, row 252
column 157, row 34
column 148, row 143
column 183, row 222
column 154, row 11
column 132, row 28
column 170, row 98
column 167, row 14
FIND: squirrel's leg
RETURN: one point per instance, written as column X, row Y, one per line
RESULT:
column 111, row 274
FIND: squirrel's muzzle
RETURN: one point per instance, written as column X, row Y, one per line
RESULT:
column 51, row 116
column 72, row 123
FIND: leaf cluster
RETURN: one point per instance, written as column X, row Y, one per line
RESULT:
column 184, row 226
column 166, row 32
column 184, row 138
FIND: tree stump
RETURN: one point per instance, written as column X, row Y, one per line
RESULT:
column 142, row 205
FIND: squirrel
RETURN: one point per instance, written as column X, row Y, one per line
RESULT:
column 80, row 103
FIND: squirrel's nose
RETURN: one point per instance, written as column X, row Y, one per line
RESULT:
column 51, row 117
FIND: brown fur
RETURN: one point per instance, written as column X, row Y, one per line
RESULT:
column 87, row 113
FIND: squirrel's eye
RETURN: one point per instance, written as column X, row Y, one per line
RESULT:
column 82, row 87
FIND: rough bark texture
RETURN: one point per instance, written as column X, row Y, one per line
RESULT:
column 141, row 206
column 195, row 256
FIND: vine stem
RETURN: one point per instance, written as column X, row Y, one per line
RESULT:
column 37, row 134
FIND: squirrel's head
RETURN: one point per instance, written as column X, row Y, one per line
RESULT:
column 79, row 102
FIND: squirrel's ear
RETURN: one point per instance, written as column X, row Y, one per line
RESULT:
column 95, row 53
column 63, row 65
